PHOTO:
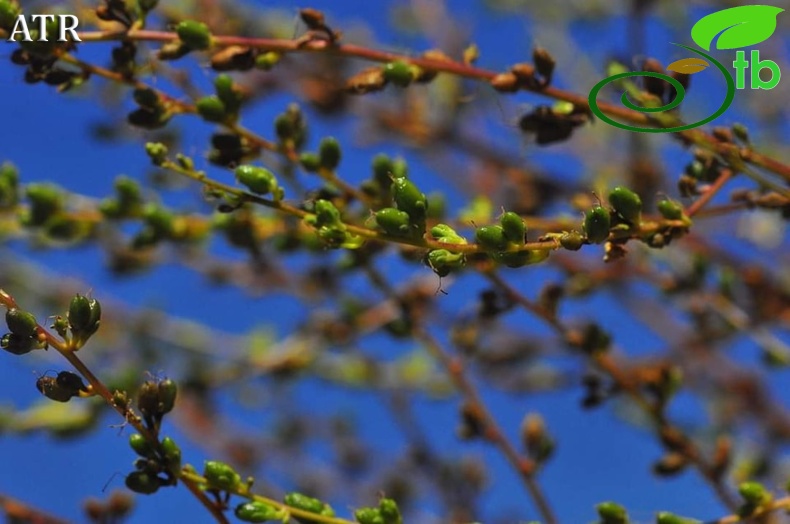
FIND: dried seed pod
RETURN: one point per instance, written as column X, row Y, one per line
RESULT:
column 544, row 64
column 366, row 81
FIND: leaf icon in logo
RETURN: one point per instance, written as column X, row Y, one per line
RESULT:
column 688, row 66
column 739, row 26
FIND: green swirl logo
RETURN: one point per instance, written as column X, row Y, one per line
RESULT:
column 735, row 27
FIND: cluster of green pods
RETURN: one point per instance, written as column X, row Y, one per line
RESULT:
column 222, row 107
column 502, row 242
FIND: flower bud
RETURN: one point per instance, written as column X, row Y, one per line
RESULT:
column 390, row 513
column 167, row 390
column 211, row 109
column 491, row 238
column 310, row 162
column 443, row 261
column 194, row 34
column 257, row 179
column 665, row 517
column 143, row 482
column 627, row 204
column 392, row 221
column 141, row 446
column 368, row 516
column 754, row 493
column 305, row 503
column 596, row 225
column 256, row 511
column 172, row 453
column 221, row 476
column 17, row 345
column 513, row 226
column 670, row 209
column 572, row 240
column 329, row 153
column 21, row 323
column 399, row 73
column 612, row 513
column 266, row 61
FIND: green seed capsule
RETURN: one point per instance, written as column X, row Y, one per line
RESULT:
column 326, row 213
column 389, row 511
column 670, row 209
column 310, row 162
column 666, row 517
column 443, row 261
column 147, row 97
column 172, row 453
column 223, row 84
column 392, row 221
column 157, row 152
column 369, row 516
column 596, row 225
column 612, row 513
column 257, row 179
column 148, row 398
column 409, row 199
column 168, row 391
column 446, row 234
column 303, row 502
column 514, row 227
column 382, row 169
column 159, row 220
column 754, row 493
column 491, row 238
column 17, row 345
column 329, row 153
column 21, row 323
column 45, row 201
column 572, row 240
column 70, row 382
column 141, row 446
column 212, row 109
column 142, row 482
column 267, row 60
column 626, row 203
column 194, row 34
column 48, row 386
column 221, row 476
column 257, row 512
column 399, row 73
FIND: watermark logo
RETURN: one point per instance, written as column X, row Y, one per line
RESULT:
column 735, row 28
column 66, row 25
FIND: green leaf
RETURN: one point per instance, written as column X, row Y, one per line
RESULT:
column 738, row 26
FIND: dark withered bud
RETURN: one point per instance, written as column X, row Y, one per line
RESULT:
column 505, row 82
column 233, row 58
column 544, row 63
column 313, row 18
column 655, row 86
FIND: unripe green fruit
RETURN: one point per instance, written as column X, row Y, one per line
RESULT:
column 172, row 453
column 612, row 513
column 310, row 162
column 572, row 240
column 626, row 203
column 514, row 227
column 211, row 109
column 389, row 511
column 142, row 482
column 491, row 238
column 409, row 199
column 443, row 261
column 754, row 493
column 666, row 517
column 221, row 476
column 257, row 179
column 392, row 221
column 329, row 153
column 21, row 323
column 194, row 34
column 140, row 445
column 399, row 73
column 670, row 209
column 168, row 391
column 303, row 502
column 368, row 516
column 596, row 225
column 267, row 60
column 146, row 97
column 257, row 512
column 17, row 345
column 382, row 169
column 159, row 220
